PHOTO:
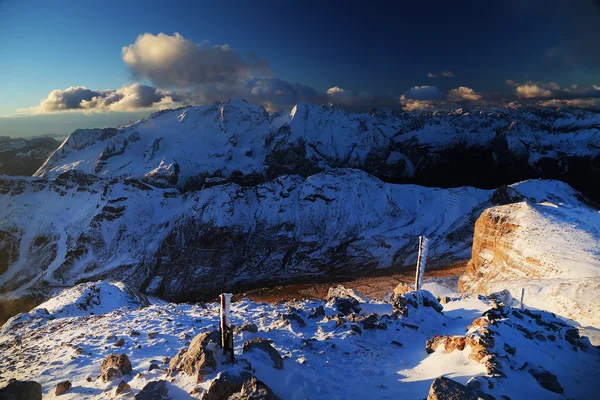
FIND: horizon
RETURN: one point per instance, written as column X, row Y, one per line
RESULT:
column 57, row 75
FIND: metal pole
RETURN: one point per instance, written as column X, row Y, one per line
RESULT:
column 226, row 331
column 418, row 272
column 522, row 296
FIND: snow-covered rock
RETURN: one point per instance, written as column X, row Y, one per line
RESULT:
column 552, row 249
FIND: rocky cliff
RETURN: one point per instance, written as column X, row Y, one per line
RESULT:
column 551, row 249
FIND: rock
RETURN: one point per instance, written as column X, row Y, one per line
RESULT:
column 122, row 387
column 198, row 359
column 402, row 288
column 547, row 380
column 317, row 312
column 503, row 296
column 113, row 366
column 247, row 327
column 153, row 367
column 345, row 300
column 395, row 343
column 119, row 342
column 402, row 302
column 446, row 389
column 238, row 387
column 509, row 349
column 155, row 390
column 62, row 387
column 294, row 317
column 21, row 390
column 264, row 345
column 152, row 335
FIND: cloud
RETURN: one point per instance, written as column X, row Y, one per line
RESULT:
column 446, row 74
column 532, row 90
column 417, row 105
column 463, row 93
column 338, row 95
column 578, row 103
column 127, row 98
column 423, row 93
column 174, row 61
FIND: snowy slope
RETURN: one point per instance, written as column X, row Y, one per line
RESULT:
column 321, row 360
column 552, row 249
column 188, row 245
column 241, row 141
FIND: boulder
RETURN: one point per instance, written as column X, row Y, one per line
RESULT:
column 237, row 387
column 21, row 390
column 247, row 327
column 122, row 387
column 155, row 390
column 265, row 346
column 414, row 299
column 345, row 300
column 446, row 389
column 62, row 387
column 317, row 312
column 402, row 288
column 198, row 359
column 113, row 366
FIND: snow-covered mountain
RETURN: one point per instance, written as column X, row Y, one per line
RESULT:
column 238, row 141
column 24, row 156
column 551, row 249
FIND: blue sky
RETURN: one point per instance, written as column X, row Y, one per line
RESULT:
column 372, row 53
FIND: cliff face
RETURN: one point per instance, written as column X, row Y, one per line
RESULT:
column 550, row 249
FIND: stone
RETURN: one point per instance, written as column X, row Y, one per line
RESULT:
column 547, row 380
column 294, row 317
column 62, row 387
column 446, row 389
column 152, row 335
column 122, row 387
column 265, row 346
column 317, row 312
column 244, row 386
column 198, row 359
column 395, row 343
column 402, row 288
column 153, row 367
column 119, row 342
column 345, row 300
column 21, row 390
column 155, row 390
column 113, row 366
column 247, row 327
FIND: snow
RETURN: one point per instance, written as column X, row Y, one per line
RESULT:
column 337, row 363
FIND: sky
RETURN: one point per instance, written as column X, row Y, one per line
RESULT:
column 73, row 64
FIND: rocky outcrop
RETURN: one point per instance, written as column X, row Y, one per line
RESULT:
column 114, row 366
column 237, row 387
column 197, row 360
column 155, row 390
column 549, row 249
column 443, row 388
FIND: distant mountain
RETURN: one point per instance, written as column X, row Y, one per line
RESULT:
column 241, row 142
column 194, row 201
column 24, row 156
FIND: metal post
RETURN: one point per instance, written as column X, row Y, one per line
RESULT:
column 226, row 329
column 522, row 296
column 421, row 260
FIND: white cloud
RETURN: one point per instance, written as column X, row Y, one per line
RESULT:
column 463, row 93
column 176, row 61
column 127, row 98
column 532, row 90
column 446, row 74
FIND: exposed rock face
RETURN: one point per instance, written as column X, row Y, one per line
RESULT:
column 24, row 156
column 443, row 388
column 414, row 299
column 345, row 300
column 550, row 249
column 155, row 390
column 198, row 360
column 114, row 366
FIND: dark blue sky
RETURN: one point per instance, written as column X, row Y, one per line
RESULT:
column 383, row 48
